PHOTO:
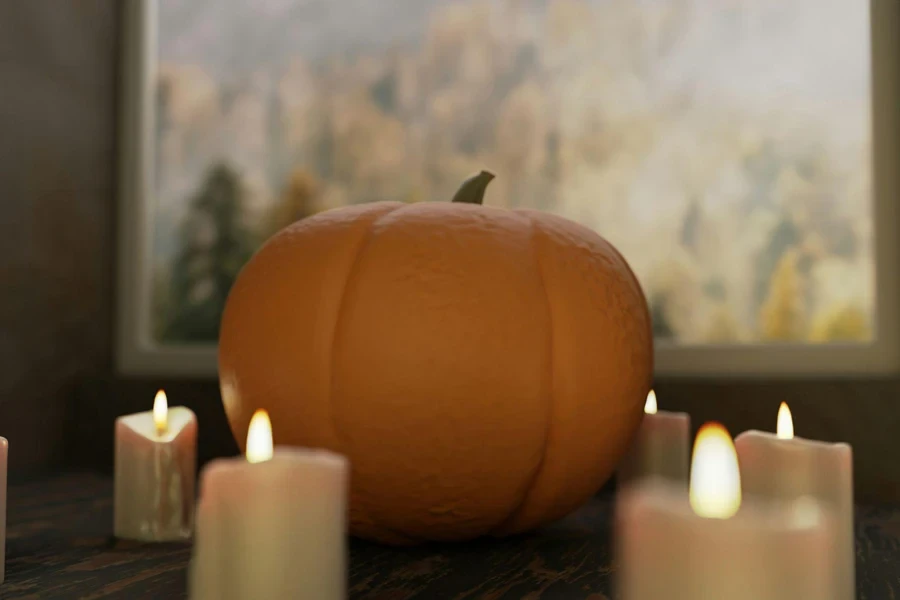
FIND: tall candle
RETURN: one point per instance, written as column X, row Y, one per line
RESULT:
column 155, row 468
column 708, row 544
column 781, row 466
column 272, row 526
column 661, row 447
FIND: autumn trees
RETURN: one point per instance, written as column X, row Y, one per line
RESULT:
column 745, row 221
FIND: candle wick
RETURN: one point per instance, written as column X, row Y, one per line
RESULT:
column 161, row 429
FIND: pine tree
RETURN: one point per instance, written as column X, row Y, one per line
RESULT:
column 783, row 314
column 298, row 200
column 785, row 236
column 214, row 247
column 276, row 132
column 842, row 323
column 723, row 328
column 662, row 328
column 691, row 225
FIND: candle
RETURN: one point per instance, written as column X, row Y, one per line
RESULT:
column 155, row 467
column 4, row 454
column 709, row 544
column 783, row 467
column 660, row 448
column 272, row 526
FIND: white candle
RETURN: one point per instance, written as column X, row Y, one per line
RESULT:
column 4, row 454
column 272, row 526
column 661, row 447
column 708, row 545
column 783, row 467
column 155, row 468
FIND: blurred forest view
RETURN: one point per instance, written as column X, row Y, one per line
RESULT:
column 722, row 145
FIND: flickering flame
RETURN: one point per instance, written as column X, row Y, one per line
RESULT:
column 259, row 438
column 715, row 490
column 161, row 412
column 650, row 405
column 785, row 429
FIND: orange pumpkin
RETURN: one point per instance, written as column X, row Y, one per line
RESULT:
column 483, row 369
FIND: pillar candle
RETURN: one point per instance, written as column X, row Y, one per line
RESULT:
column 4, row 454
column 661, row 447
column 707, row 544
column 155, row 468
column 272, row 526
column 781, row 466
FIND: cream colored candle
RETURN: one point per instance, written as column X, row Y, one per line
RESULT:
column 661, row 447
column 272, row 526
column 708, row 545
column 4, row 455
column 155, row 468
column 781, row 466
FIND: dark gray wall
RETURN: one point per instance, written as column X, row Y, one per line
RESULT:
column 57, row 127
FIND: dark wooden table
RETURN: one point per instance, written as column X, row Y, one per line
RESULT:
column 59, row 546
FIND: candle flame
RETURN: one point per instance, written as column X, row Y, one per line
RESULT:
column 650, row 404
column 715, row 488
column 785, row 429
column 259, row 438
column 161, row 412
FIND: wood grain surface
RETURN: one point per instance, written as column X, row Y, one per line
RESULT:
column 59, row 546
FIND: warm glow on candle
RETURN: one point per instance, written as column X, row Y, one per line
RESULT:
column 715, row 489
column 650, row 405
column 785, row 429
column 161, row 412
column 259, row 438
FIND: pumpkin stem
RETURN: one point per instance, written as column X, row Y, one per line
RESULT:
column 472, row 189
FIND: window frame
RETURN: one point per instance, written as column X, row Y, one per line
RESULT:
column 135, row 354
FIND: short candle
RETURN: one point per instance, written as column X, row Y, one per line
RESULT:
column 155, row 468
column 272, row 525
column 4, row 454
column 710, row 543
column 783, row 467
column 661, row 447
